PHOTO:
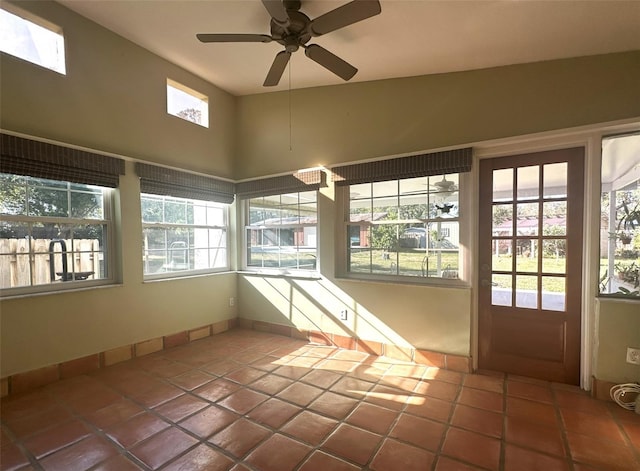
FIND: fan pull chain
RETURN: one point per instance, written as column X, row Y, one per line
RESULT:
column 290, row 125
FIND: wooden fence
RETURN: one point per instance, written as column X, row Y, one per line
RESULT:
column 17, row 268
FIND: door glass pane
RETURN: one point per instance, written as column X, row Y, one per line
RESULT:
column 501, row 290
column 529, row 183
column 555, row 180
column 553, row 293
column 503, row 185
column 553, row 256
column 527, row 221
column 555, row 218
column 527, row 291
column 503, row 219
column 502, row 255
column 527, row 256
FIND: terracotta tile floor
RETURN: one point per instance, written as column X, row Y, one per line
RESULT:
column 246, row 400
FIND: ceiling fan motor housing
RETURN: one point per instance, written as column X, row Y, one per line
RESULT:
column 296, row 34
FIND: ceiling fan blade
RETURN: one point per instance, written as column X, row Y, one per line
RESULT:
column 234, row 38
column 346, row 15
column 277, row 69
column 330, row 61
column 277, row 11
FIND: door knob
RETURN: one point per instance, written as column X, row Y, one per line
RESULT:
column 487, row 283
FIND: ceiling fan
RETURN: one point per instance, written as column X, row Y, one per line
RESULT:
column 293, row 29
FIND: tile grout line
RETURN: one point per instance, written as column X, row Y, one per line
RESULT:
column 503, row 439
column 562, row 428
column 438, row 453
column 241, row 358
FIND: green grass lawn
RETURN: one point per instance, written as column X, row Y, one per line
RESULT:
column 406, row 262
column 530, row 265
column 411, row 262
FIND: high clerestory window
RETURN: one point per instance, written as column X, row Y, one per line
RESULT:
column 31, row 38
column 188, row 104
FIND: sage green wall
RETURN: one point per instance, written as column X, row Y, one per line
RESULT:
column 436, row 319
column 112, row 99
column 617, row 327
column 350, row 122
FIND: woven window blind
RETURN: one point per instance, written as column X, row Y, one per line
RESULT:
column 38, row 159
column 168, row 182
column 421, row 165
column 297, row 182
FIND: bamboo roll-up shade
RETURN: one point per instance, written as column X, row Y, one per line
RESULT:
column 21, row 156
column 300, row 181
column 169, row 182
column 421, row 165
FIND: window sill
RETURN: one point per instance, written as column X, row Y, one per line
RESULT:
column 426, row 282
column 185, row 275
column 23, row 295
column 618, row 298
column 282, row 274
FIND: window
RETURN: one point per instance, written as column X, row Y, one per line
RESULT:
column 184, row 221
column 187, row 104
column 405, row 227
column 403, row 219
column 282, row 231
column 281, row 221
column 30, row 38
column 620, row 217
column 56, row 216
column 183, row 235
column 53, row 233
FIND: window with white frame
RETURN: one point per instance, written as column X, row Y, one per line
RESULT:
column 620, row 217
column 403, row 217
column 56, row 216
column 185, row 222
column 183, row 235
column 282, row 231
column 31, row 38
column 53, row 232
column 188, row 104
column 406, row 227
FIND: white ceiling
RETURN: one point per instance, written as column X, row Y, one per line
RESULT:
column 409, row 37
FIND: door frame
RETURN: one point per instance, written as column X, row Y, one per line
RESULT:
column 590, row 138
column 564, row 323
